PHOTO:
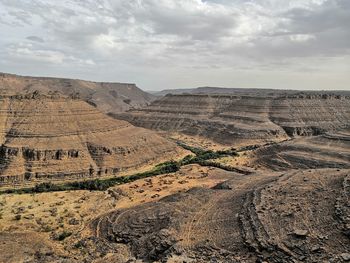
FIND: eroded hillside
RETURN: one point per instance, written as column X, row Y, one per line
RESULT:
column 50, row 137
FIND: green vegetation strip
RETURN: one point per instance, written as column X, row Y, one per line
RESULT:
column 206, row 157
column 97, row 184
column 200, row 156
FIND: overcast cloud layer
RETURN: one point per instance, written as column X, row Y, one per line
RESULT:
column 162, row 44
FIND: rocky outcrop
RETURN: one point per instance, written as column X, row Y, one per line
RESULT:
column 294, row 218
column 148, row 235
column 342, row 208
column 231, row 119
column 48, row 137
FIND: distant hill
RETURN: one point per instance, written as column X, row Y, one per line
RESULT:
column 242, row 91
column 106, row 96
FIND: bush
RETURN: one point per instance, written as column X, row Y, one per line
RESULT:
column 63, row 235
column 45, row 187
column 195, row 150
column 167, row 167
column 79, row 244
column 92, row 185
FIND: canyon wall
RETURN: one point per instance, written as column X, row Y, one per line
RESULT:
column 52, row 137
column 234, row 119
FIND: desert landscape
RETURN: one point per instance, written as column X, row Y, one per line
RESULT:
column 175, row 131
column 237, row 178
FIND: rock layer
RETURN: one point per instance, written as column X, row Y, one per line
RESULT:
column 50, row 137
column 231, row 119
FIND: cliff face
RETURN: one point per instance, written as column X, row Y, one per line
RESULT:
column 310, row 115
column 232, row 119
column 50, row 137
column 107, row 97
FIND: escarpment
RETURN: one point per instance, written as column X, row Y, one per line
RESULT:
column 231, row 119
column 310, row 115
column 44, row 137
column 223, row 118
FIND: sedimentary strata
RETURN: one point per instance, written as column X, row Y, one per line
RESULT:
column 46, row 137
column 243, row 119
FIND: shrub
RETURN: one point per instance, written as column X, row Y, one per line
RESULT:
column 79, row 244
column 63, row 235
column 45, row 187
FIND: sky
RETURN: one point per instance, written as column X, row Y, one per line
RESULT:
column 166, row 44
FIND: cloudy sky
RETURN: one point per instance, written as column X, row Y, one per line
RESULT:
column 162, row 44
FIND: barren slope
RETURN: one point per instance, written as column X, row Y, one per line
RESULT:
column 108, row 97
column 50, row 137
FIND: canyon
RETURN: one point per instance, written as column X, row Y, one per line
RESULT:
column 198, row 176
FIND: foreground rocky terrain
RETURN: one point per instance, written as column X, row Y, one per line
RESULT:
column 297, row 213
column 50, row 137
column 288, row 217
column 281, row 195
column 106, row 96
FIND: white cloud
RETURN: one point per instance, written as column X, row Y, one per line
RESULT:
column 28, row 52
column 131, row 37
